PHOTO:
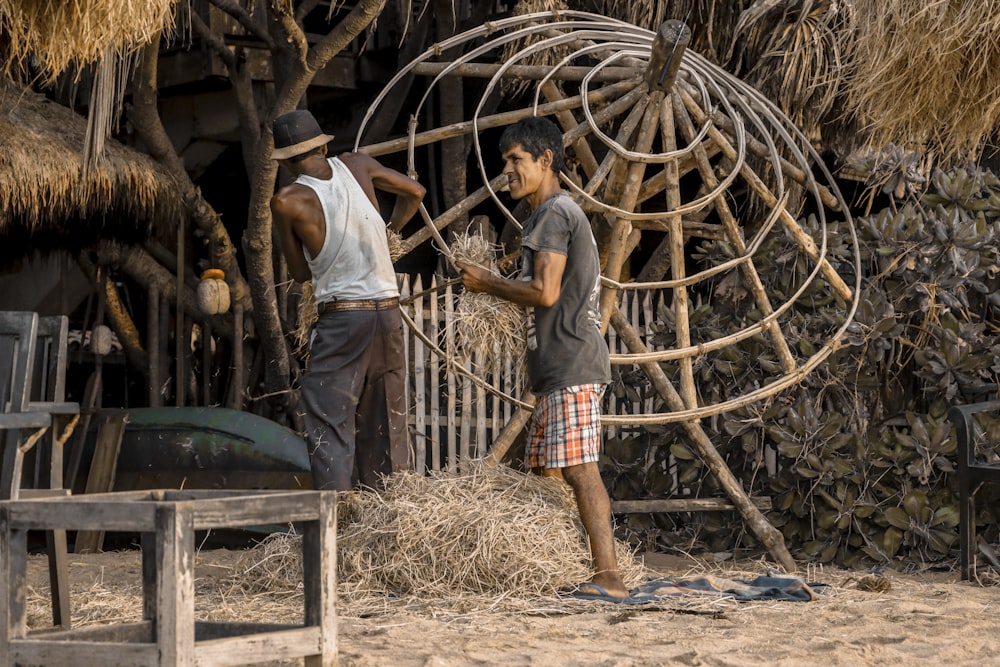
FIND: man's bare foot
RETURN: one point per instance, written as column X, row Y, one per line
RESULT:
column 610, row 582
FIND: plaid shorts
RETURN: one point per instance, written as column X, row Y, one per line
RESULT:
column 566, row 427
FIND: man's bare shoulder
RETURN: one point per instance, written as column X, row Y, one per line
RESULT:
column 290, row 192
column 353, row 160
column 292, row 196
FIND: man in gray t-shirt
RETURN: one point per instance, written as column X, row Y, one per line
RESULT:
column 568, row 360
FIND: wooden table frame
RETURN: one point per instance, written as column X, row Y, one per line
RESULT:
column 169, row 635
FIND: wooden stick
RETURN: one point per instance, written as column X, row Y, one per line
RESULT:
column 675, row 248
column 755, row 182
column 497, row 120
column 456, row 212
column 623, row 227
column 583, row 152
column 720, row 120
column 529, row 72
column 768, row 535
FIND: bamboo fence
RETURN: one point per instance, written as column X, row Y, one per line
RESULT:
column 458, row 406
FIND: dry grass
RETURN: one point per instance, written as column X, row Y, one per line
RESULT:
column 486, row 326
column 923, row 75
column 44, row 185
column 61, row 35
column 488, row 530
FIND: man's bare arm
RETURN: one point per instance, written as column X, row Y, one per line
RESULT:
column 542, row 290
column 286, row 211
column 373, row 175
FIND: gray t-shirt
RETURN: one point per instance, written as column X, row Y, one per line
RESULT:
column 565, row 345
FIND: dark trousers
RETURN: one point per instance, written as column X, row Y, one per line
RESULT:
column 353, row 395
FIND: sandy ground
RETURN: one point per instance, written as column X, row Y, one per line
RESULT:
column 926, row 618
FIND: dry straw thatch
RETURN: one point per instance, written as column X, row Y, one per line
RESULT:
column 46, row 201
column 924, row 75
column 61, row 35
column 487, row 530
column 488, row 326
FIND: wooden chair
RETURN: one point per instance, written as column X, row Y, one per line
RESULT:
column 32, row 392
column 18, row 335
column 972, row 475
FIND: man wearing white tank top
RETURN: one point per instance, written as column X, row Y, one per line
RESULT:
column 331, row 232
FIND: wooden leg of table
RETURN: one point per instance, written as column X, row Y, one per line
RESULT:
column 55, row 542
column 175, row 586
column 319, row 570
column 13, row 586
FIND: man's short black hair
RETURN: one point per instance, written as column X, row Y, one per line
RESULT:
column 535, row 134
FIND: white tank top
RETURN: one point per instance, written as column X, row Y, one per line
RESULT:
column 354, row 262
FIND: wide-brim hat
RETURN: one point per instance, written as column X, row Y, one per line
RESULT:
column 295, row 133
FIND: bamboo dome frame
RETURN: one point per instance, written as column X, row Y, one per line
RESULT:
column 712, row 112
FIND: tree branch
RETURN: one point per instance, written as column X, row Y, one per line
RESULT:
column 246, row 20
column 146, row 119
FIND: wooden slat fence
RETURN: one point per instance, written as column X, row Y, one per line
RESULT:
column 451, row 419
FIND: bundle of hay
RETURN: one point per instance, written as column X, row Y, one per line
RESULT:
column 487, row 326
column 489, row 530
column 923, row 75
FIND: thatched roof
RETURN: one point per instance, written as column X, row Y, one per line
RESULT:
column 45, row 201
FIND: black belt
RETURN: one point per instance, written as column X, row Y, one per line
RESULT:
column 360, row 304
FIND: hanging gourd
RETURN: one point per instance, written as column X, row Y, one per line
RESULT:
column 213, row 292
column 100, row 340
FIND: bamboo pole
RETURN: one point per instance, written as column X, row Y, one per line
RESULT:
column 611, row 165
column 528, row 72
column 675, row 250
column 456, row 212
column 584, row 155
column 599, row 96
column 622, row 226
column 768, row 535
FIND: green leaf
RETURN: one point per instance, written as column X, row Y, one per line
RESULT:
column 898, row 518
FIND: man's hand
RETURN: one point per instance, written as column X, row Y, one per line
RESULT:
column 474, row 277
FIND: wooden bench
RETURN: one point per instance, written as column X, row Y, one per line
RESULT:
column 169, row 634
column 972, row 474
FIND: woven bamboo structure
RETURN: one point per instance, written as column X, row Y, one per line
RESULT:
column 637, row 141
column 661, row 140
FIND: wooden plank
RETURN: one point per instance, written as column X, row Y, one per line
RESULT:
column 435, row 362
column 83, row 654
column 102, row 475
column 175, row 585
column 682, row 505
column 420, row 367
column 449, row 332
column 205, row 631
column 274, row 645
column 480, row 418
column 134, row 633
column 465, row 444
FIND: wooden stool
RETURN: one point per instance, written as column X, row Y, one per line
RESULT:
column 168, row 633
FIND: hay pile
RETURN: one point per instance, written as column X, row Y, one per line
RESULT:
column 488, row 530
column 923, row 75
column 486, row 326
